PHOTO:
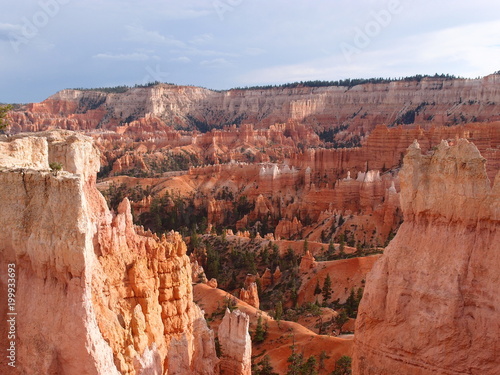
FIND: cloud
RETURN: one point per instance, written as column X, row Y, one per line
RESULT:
column 474, row 46
column 202, row 39
column 467, row 50
column 140, row 35
column 7, row 29
column 216, row 63
column 253, row 51
column 122, row 57
column 181, row 59
column 204, row 52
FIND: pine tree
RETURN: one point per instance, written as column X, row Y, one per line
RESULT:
column 317, row 288
column 351, row 304
column 213, row 262
column 296, row 361
column 327, row 289
column 260, row 331
column 278, row 311
column 264, row 367
column 342, row 247
column 343, row 366
column 341, row 319
column 264, row 254
column 330, row 253
column 3, row 114
column 322, row 358
column 309, row 367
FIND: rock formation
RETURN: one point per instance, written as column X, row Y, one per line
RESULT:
column 250, row 295
column 307, row 262
column 236, row 345
column 94, row 294
column 267, row 279
column 431, row 302
column 440, row 101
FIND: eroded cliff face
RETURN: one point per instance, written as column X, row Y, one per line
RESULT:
column 361, row 107
column 431, row 302
column 94, row 294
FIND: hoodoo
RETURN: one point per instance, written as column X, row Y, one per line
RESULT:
column 93, row 294
column 431, row 303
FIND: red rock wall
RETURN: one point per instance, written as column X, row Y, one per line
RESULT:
column 94, row 294
column 431, row 304
column 362, row 107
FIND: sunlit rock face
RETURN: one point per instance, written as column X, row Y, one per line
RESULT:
column 236, row 344
column 431, row 303
column 94, row 294
column 440, row 101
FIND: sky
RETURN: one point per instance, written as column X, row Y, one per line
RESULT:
column 50, row 45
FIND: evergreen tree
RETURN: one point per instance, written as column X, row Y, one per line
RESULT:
column 317, row 288
column 260, row 333
column 342, row 247
column 330, row 253
column 278, row 311
column 213, row 262
column 296, row 361
column 264, row 254
column 194, row 240
column 327, row 289
column 322, row 357
column 359, row 250
column 341, row 319
column 290, row 258
column 306, row 246
column 264, row 367
column 4, row 109
column 309, row 367
column 343, row 366
column 352, row 303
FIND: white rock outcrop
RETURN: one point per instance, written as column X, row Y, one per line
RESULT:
column 236, row 344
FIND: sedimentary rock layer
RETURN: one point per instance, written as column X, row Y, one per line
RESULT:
column 361, row 107
column 236, row 345
column 431, row 303
column 94, row 294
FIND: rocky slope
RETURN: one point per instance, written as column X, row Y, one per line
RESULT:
column 431, row 303
column 281, row 335
column 93, row 293
column 361, row 107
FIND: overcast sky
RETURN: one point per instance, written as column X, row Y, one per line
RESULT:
column 49, row 45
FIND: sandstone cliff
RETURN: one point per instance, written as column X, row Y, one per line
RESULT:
column 94, row 294
column 431, row 303
column 360, row 107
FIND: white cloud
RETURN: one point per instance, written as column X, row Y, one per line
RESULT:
column 216, row 63
column 202, row 39
column 253, row 51
column 181, row 59
column 7, row 29
column 469, row 50
column 473, row 47
column 140, row 35
column 122, row 57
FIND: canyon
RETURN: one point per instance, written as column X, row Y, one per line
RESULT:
column 180, row 230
